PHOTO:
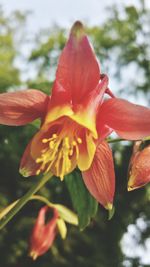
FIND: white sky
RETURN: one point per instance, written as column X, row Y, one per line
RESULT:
column 63, row 12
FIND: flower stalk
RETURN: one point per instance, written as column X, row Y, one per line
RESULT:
column 36, row 187
column 116, row 140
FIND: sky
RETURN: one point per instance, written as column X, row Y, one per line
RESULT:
column 63, row 12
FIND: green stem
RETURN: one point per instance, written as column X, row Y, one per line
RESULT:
column 116, row 140
column 42, row 199
column 24, row 199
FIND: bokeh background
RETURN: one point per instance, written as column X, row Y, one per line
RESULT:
column 32, row 35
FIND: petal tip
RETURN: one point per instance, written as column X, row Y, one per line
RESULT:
column 77, row 26
column 111, row 211
column 77, row 30
column 133, row 187
column 130, row 188
column 33, row 255
column 131, row 183
column 109, row 206
column 24, row 172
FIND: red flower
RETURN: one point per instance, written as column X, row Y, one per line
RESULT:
column 43, row 234
column 75, row 120
column 139, row 168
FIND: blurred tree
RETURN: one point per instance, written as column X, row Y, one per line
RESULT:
column 9, row 74
column 124, row 40
column 120, row 43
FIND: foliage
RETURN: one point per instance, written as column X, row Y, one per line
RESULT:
column 9, row 73
column 81, row 199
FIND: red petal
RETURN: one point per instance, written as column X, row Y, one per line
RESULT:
column 59, row 95
column 43, row 234
column 108, row 91
column 21, row 107
column 28, row 166
column 92, row 102
column 78, row 70
column 40, row 221
column 139, row 169
column 103, row 131
column 130, row 121
column 100, row 177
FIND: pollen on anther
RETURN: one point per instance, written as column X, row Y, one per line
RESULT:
column 51, row 144
column 54, row 135
column 74, row 143
column 71, row 152
column 44, row 141
column 38, row 160
column 38, row 172
column 79, row 140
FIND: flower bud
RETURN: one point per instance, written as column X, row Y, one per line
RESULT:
column 139, row 167
column 43, row 234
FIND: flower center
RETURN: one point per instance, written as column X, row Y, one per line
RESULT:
column 59, row 154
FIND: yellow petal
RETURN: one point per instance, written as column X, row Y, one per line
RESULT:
column 87, row 153
column 81, row 116
column 58, row 112
column 62, row 228
column 4, row 211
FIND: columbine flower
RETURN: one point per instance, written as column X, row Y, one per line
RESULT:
column 75, row 120
column 139, row 167
column 43, row 234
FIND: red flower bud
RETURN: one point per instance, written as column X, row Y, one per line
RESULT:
column 43, row 234
column 139, row 168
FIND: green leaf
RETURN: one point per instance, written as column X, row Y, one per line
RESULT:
column 146, row 138
column 84, row 204
column 36, row 123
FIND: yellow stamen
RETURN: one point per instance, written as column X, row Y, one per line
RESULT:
column 71, row 152
column 58, row 162
column 51, row 144
column 38, row 172
column 66, row 162
column 76, row 148
column 58, row 154
column 46, row 140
